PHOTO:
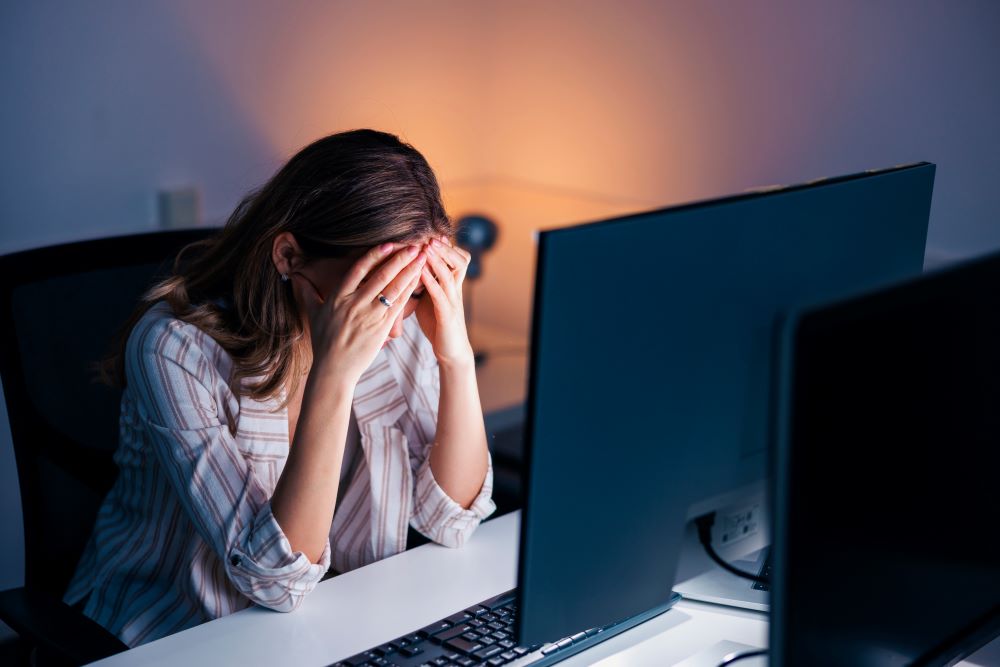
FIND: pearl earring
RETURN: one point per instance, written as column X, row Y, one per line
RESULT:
column 284, row 277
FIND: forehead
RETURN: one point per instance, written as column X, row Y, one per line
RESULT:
column 340, row 265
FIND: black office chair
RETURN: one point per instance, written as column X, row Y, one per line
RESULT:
column 62, row 307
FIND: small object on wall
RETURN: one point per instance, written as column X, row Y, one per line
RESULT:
column 178, row 208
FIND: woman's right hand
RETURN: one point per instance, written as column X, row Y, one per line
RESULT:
column 347, row 330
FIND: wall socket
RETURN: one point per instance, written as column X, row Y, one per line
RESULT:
column 178, row 208
column 737, row 524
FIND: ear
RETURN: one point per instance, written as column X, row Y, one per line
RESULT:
column 286, row 253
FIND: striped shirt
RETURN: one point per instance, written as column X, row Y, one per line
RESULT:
column 186, row 533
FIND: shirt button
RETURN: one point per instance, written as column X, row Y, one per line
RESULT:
column 235, row 560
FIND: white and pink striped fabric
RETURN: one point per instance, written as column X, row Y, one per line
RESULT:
column 187, row 535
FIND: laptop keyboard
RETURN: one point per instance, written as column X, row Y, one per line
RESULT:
column 483, row 634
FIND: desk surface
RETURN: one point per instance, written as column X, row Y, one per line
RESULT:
column 360, row 609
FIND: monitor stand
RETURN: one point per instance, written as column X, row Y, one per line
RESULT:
column 718, row 586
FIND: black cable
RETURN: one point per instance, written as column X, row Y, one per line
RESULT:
column 705, row 524
column 740, row 656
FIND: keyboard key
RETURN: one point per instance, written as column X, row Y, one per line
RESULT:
column 487, row 641
column 440, row 661
column 459, row 644
column 435, row 628
column 496, row 661
column 522, row 650
column 411, row 639
column 466, row 661
column 508, row 655
column 471, row 636
column 451, row 632
column 475, row 622
column 501, row 600
column 498, row 635
column 496, row 626
column 506, row 643
column 460, row 617
column 410, row 651
column 452, row 656
column 487, row 652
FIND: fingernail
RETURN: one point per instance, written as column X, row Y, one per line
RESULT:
column 385, row 247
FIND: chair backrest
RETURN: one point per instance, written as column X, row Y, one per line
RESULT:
column 62, row 307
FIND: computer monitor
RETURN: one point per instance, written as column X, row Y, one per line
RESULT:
column 650, row 375
column 887, row 550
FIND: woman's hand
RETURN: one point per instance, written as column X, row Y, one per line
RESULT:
column 442, row 317
column 348, row 329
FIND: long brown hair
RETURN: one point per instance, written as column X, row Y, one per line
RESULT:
column 348, row 190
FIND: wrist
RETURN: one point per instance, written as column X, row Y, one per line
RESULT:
column 332, row 380
column 461, row 364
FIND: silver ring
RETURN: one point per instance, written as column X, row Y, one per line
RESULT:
column 385, row 301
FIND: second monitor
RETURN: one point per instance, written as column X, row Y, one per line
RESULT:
column 650, row 388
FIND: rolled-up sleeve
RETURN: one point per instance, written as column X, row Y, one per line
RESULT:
column 438, row 516
column 178, row 391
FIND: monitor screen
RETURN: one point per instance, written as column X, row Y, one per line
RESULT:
column 887, row 549
column 650, row 380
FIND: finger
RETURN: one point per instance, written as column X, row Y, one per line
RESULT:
column 438, row 296
column 404, row 296
column 457, row 258
column 394, row 290
column 364, row 265
column 377, row 280
column 441, row 271
column 459, row 249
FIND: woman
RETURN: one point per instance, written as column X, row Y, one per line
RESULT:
column 282, row 411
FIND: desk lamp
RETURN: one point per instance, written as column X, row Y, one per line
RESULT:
column 477, row 234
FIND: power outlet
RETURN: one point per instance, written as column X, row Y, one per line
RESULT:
column 739, row 524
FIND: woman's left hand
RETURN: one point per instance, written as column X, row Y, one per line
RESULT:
column 442, row 317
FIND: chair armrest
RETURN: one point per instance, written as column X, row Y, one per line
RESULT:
column 56, row 628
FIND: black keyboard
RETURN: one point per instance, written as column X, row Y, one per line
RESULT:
column 483, row 634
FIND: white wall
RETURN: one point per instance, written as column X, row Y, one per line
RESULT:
column 666, row 101
column 107, row 102
column 555, row 111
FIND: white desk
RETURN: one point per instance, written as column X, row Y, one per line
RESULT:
column 361, row 609
column 358, row 610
